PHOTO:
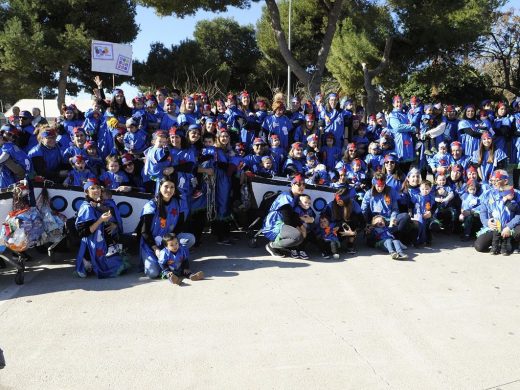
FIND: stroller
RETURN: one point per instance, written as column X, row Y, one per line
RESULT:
column 26, row 227
column 254, row 230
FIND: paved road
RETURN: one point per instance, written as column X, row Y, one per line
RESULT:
column 450, row 319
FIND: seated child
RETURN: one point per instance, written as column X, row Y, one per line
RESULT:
column 469, row 210
column 174, row 262
column 385, row 239
column 79, row 173
column 327, row 238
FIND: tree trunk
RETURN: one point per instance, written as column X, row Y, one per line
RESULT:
column 369, row 76
column 62, row 84
column 312, row 82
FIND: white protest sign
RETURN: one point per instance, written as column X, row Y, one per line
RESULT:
column 109, row 57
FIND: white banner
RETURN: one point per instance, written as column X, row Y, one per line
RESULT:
column 111, row 57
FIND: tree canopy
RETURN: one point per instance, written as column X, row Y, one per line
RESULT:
column 223, row 54
column 182, row 8
column 47, row 43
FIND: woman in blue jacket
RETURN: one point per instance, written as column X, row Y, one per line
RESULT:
column 99, row 251
column 403, row 131
column 161, row 215
column 382, row 200
column 333, row 118
column 469, row 131
column 345, row 213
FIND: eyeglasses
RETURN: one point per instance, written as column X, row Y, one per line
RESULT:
column 389, row 162
column 299, row 184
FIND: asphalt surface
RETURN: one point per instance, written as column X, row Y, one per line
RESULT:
column 447, row 319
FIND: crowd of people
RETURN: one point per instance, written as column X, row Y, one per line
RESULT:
column 399, row 177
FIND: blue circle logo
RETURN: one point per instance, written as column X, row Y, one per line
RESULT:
column 125, row 209
column 58, row 203
column 319, row 204
column 76, row 203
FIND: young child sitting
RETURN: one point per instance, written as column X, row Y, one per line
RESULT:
column 424, row 209
column 174, row 262
column 79, row 173
column 385, row 239
column 327, row 238
column 469, row 210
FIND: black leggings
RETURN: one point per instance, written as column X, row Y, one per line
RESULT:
column 483, row 242
column 197, row 222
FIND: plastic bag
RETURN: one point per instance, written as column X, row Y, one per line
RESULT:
column 18, row 242
column 52, row 225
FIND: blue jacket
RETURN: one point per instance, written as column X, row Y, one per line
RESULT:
column 273, row 221
column 402, row 130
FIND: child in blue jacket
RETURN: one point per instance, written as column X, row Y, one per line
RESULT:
column 173, row 260
column 385, row 239
column 469, row 210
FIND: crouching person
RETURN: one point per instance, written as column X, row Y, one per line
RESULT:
column 283, row 226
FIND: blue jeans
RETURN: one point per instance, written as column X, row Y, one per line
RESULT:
column 393, row 245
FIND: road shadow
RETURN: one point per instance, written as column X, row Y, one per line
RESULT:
column 228, row 267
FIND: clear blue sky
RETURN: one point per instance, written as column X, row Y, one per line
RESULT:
column 171, row 30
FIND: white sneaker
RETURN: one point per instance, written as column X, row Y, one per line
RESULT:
column 304, row 255
column 295, row 254
column 88, row 265
column 335, row 255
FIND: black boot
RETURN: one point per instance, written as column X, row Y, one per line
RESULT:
column 495, row 244
column 506, row 248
